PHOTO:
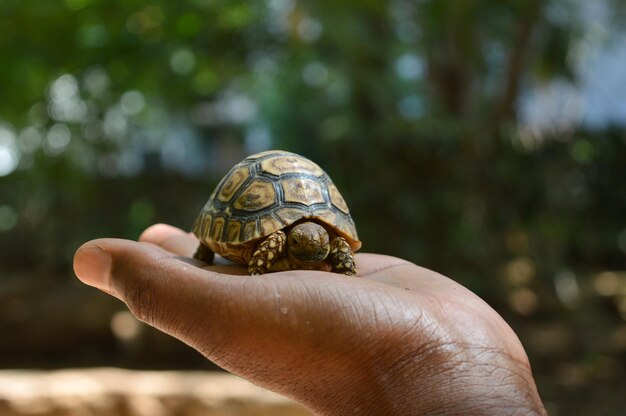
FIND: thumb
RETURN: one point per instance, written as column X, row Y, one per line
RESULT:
column 165, row 291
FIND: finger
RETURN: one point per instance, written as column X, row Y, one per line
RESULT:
column 180, row 243
column 171, row 239
column 97, row 263
column 165, row 291
column 159, row 232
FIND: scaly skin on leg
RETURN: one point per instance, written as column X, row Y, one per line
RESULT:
column 341, row 257
column 205, row 254
column 267, row 252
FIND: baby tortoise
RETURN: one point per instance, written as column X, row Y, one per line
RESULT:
column 278, row 211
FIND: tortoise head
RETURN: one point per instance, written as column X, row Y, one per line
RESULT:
column 308, row 242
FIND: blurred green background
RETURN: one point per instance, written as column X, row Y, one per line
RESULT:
column 485, row 140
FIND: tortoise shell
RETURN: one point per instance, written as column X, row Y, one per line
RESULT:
column 267, row 192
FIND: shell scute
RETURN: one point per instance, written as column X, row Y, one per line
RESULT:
column 337, row 199
column 303, row 191
column 250, row 231
column 233, row 231
column 218, row 228
column 290, row 163
column 257, row 195
column 289, row 215
column 269, row 225
column 232, row 183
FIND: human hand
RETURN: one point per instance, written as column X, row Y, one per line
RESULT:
column 397, row 340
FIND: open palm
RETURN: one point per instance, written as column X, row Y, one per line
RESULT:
column 397, row 340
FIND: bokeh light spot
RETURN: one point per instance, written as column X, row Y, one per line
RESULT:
column 132, row 102
column 523, row 301
column 183, row 61
column 65, row 102
column 315, row 74
column 57, row 139
column 9, row 156
column 8, row 218
column 29, row 140
column 582, row 151
column 411, row 107
column 409, row 66
column 96, row 80
column 125, row 326
column 607, row 283
column 310, row 29
column 236, row 108
column 567, row 288
column 520, row 271
column 115, row 123
column 8, row 161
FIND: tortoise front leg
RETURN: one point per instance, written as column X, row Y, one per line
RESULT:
column 205, row 254
column 267, row 252
column 341, row 257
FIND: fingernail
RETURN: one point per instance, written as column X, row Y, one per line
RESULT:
column 92, row 265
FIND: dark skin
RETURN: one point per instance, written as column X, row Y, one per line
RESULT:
column 400, row 340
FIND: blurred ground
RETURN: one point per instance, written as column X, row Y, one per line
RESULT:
column 114, row 392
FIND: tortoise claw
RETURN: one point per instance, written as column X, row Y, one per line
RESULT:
column 341, row 257
column 267, row 252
